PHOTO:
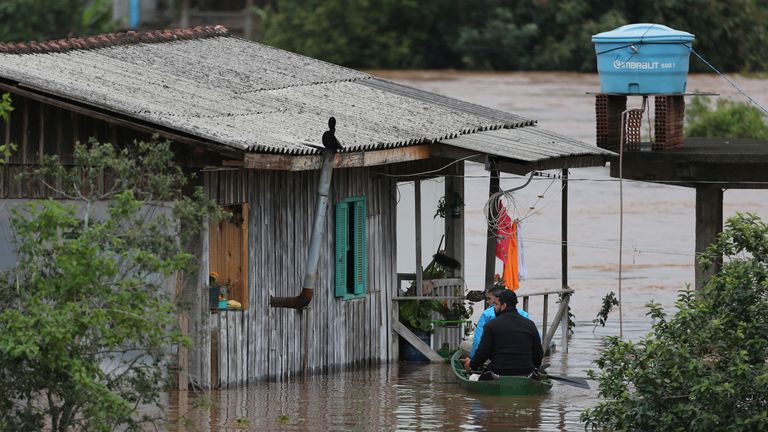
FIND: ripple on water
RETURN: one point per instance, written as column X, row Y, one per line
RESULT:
column 408, row 397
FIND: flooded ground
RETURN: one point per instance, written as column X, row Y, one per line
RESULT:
column 658, row 261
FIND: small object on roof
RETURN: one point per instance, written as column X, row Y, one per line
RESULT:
column 329, row 137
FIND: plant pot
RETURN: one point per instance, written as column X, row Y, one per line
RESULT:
column 222, row 305
column 409, row 353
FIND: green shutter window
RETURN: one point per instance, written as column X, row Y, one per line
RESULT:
column 351, row 248
column 360, row 263
column 342, row 210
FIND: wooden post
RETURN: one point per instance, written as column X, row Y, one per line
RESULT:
column 564, row 298
column 417, row 222
column 182, row 367
column 564, row 304
column 545, row 315
column 550, row 333
column 417, row 343
column 490, row 246
column 394, row 337
column 454, row 226
column 709, row 223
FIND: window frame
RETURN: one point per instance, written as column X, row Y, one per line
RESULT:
column 219, row 264
column 356, row 205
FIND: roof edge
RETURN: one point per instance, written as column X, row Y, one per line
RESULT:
column 113, row 39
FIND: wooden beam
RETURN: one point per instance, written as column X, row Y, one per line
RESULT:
column 725, row 173
column 417, row 225
column 284, row 162
column 709, row 223
column 550, row 334
column 417, row 343
column 564, row 256
column 490, row 244
column 454, row 226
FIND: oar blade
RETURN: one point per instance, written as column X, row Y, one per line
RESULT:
column 572, row 381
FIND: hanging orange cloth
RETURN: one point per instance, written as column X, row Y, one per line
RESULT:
column 511, row 264
column 506, row 248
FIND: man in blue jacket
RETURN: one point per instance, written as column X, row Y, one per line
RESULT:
column 488, row 315
column 509, row 341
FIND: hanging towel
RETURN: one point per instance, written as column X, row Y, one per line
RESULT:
column 521, row 252
column 507, row 249
column 511, row 270
column 503, row 231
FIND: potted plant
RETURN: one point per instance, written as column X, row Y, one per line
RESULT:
column 416, row 315
column 454, row 312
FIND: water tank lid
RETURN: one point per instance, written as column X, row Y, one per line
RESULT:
column 645, row 32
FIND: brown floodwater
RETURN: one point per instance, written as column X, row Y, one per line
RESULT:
column 657, row 262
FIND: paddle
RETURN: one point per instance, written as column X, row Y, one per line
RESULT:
column 571, row 381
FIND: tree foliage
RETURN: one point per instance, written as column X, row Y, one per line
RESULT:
column 87, row 324
column 705, row 368
column 729, row 119
column 5, row 111
column 506, row 34
column 26, row 20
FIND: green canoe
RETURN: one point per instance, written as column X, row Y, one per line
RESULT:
column 506, row 386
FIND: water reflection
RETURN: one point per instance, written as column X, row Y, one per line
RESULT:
column 396, row 397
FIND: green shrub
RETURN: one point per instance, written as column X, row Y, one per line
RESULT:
column 704, row 369
column 729, row 119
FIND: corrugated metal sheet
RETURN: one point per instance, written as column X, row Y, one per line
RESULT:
column 509, row 120
column 527, row 144
column 256, row 98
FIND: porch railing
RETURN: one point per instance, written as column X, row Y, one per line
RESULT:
column 444, row 290
column 561, row 317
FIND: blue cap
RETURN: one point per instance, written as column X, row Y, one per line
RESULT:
column 645, row 32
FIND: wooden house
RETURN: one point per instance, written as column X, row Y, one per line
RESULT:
column 247, row 118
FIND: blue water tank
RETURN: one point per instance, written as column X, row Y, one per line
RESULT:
column 643, row 59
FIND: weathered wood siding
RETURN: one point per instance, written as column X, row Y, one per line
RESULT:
column 266, row 343
column 39, row 130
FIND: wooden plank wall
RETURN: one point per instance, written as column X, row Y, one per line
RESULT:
column 38, row 130
column 266, row 343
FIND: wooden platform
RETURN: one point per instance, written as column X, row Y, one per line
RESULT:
column 714, row 162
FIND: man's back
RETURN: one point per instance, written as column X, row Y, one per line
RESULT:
column 512, row 343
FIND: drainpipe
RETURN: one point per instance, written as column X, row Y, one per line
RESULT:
column 302, row 300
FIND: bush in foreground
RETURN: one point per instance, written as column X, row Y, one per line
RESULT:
column 703, row 369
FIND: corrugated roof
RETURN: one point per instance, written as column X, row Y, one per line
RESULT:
column 527, row 144
column 252, row 97
column 508, row 119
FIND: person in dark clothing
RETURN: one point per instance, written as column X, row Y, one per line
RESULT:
column 511, row 342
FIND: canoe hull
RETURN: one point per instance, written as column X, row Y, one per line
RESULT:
column 506, row 386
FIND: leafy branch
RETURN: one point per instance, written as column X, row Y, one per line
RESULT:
column 609, row 302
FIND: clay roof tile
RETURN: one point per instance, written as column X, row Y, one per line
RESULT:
column 113, row 39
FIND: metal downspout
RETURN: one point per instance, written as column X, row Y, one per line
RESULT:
column 302, row 300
